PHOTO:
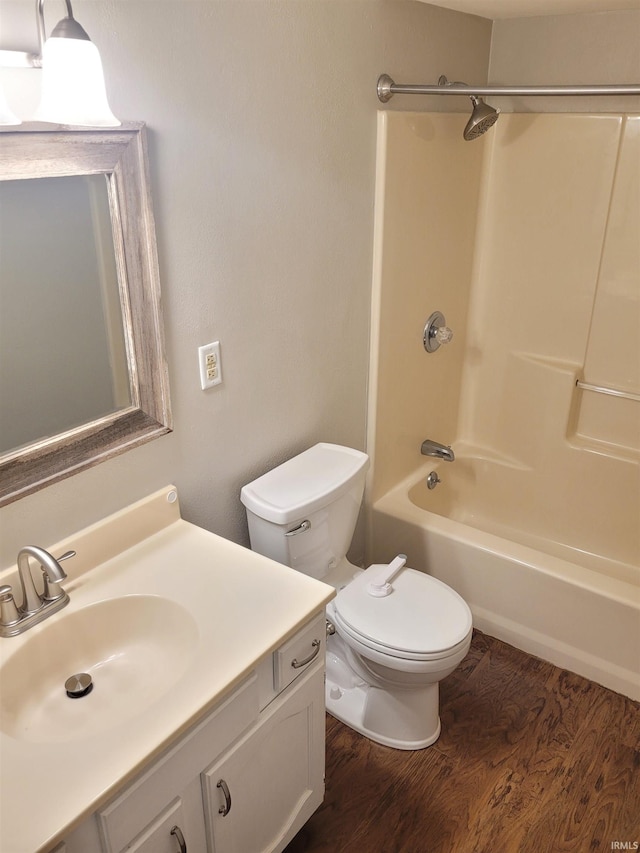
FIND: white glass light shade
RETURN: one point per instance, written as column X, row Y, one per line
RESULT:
column 73, row 90
column 6, row 115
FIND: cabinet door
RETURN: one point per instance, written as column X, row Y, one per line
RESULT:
column 259, row 794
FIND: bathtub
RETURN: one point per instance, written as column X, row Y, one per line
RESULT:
column 577, row 610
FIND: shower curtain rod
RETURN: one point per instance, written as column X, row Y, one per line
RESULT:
column 387, row 88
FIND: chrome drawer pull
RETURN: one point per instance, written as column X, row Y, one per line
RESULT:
column 299, row 529
column 177, row 833
column 226, row 808
column 296, row 664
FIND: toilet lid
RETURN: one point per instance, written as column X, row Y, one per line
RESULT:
column 421, row 616
column 304, row 484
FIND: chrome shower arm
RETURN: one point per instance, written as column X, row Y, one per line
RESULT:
column 387, row 88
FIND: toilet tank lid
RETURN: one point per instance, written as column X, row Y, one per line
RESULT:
column 305, row 483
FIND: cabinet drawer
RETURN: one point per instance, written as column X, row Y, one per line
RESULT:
column 157, row 838
column 298, row 653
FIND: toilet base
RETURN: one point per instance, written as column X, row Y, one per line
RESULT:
column 402, row 719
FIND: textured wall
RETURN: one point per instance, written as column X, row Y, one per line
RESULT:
column 262, row 124
column 600, row 48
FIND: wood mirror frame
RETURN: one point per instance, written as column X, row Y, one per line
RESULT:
column 28, row 152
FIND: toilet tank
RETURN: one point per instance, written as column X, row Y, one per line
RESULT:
column 304, row 512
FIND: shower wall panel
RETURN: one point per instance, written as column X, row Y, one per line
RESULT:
column 554, row 300
column 613, row 349
column 426, row 199
column 528, row 240
column 546, row 192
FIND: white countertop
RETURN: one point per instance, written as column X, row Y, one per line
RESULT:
column 243, row 606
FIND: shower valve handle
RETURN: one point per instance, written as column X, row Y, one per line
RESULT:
column 443, row 335
column 436, row 332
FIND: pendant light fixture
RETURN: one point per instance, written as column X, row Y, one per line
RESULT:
column 73, row 89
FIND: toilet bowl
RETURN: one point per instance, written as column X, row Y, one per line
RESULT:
column 394, row 632
column 400, row 646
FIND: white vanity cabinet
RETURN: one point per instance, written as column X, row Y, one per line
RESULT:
column 259, row 793
column 243, row 780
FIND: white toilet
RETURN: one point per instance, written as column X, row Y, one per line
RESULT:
column 398, row 631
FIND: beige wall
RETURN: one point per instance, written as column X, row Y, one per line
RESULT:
column 262, row 120
column 262, row 136
column 589, row 48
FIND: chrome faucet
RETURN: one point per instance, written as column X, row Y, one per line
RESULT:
column 35, row 607
column 440, row 451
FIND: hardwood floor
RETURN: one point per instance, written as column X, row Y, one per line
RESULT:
column 531, row 759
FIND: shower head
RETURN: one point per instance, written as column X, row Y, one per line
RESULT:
column 482, row 118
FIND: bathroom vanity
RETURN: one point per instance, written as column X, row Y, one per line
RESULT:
column 205, row 729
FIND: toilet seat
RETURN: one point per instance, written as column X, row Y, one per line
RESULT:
column 382, row 654
column 421, row 620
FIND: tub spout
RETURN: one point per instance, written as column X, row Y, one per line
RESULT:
column 440, row 451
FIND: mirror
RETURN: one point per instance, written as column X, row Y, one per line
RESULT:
column 82, row 369
column 61, row 330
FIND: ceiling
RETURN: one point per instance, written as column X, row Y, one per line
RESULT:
column 530, row 8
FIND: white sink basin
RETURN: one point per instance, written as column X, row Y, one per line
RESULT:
column 167, row 619
column 134, row 647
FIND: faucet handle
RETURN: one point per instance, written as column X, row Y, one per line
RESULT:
column 8, row 610
column 66, row 556
column 52, row 589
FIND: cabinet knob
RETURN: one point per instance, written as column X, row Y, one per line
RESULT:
column 226, row 808
column 177, row 834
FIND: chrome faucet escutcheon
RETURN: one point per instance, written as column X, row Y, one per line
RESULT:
column 35, row 606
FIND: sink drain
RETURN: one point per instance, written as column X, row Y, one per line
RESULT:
column 78, row 685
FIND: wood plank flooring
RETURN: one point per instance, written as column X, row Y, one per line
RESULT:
column 531, row 759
